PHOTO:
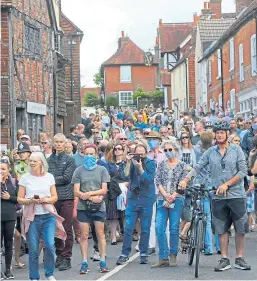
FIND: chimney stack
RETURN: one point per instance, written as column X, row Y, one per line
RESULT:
column 241, row 4
column 160, row 21
column 215, row 7
column 206, row 8
column 122, row 34
column 195, row 19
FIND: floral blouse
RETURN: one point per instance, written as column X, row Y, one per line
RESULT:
column 170, row 178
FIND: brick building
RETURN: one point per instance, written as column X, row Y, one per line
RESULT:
column 232, row 60
column 26, row 69
column 85, row 90
column 126, row 70
column 71, row 44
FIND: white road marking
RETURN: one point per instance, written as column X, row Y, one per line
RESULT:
column 118, row 268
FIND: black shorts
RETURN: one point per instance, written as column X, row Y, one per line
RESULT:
column 228, row 211
column 18, row 224
column 88, row 217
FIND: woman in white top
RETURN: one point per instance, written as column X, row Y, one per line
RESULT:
column 187, row 150
column 38, row 187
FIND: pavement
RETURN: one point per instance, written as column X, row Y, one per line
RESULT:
column 134, row 271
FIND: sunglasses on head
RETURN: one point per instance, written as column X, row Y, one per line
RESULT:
column 185, row 137
column 118, row 148
column 123, row 139
column 4, row 161
column 167, row 149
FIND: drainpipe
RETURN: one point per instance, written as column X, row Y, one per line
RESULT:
column 71, row 69
column 187, row 103
column 222, row 80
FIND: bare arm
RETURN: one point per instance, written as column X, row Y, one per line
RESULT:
column 254, row 168
column 53, row 198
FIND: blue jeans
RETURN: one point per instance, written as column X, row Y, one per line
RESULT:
column 162, row 216
column 45, row 226
column 208, row 233
column 132, row 213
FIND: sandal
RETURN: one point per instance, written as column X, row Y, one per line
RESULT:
column 183, row 238
column 20, row 265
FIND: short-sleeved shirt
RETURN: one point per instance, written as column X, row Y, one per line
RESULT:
column 90, row 181
column 38, row 186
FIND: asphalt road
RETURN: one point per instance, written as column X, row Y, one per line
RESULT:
column 134, row 271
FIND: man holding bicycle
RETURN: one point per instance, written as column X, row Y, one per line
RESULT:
column 227, row 168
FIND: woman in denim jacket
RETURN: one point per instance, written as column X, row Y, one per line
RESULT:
column 169, row 204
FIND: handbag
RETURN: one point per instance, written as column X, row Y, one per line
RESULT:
column 91, row 207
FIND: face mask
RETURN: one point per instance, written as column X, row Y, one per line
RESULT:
column 153, row 143
column 169, row 154
column 254, row 126
column 90, row 162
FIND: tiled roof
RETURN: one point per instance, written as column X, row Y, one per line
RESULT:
column 173, row 34
column 212, row 29
column 127, row 53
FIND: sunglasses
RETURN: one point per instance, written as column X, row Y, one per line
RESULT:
column 146, row 133
column 248, row 122
column 167, row 149
column 184, row 138
column 4, row 161
column 123, row 139
column 117, row 148
column 169, row 128
column 43, row 142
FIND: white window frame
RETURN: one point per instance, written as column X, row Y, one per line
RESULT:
column 209, row 72
column 231, row 54
column 220, row 99
column 253, row 55
column 233, row 100
column 241, row 63
column 219, row 63
column 121, row 103
column 123, row 70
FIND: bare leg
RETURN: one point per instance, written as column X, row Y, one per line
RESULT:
column 99, row 228
column 223, row 239
column 114, row 225
column 185, row 228
column 240, row 244
column 17, row 246
column 84, row 231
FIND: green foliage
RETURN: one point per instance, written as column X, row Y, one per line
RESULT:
column 98, row 78
column 111, row 100
column 157, row 95
column 91, row 99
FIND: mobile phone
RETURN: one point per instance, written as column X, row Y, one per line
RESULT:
column 36, row 196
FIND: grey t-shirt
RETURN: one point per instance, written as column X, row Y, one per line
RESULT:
column 90, row 181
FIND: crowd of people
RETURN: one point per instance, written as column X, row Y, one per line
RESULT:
column 121, row 175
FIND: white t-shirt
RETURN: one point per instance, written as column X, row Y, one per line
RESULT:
column 38, row 186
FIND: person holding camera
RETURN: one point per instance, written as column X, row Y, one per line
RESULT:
column 38, row 193
column 141, row 197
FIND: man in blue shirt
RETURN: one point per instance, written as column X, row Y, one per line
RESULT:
column 140, row 124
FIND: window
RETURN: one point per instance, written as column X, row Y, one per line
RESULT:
column 32, row 40
column 219, row 62
column 220, row 99
column 125, row 98
column 35, row 126
column 231, row 54
column 209, row 72
column 241, row 107
column 241, row 63
column 233, row 100
column 253, row 55
column 125, row 74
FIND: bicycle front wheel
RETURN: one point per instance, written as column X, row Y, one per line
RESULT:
column 199, row 244
column 191, row 244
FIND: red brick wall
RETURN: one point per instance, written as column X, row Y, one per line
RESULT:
column 84, row 91
column 231, row 79
column 143, row 76
column 191, row 80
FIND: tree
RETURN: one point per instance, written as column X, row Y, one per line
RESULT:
column 99, row 78
column 111, row 101
column 91, row 99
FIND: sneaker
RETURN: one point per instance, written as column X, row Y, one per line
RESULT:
column 58, row 261
column 8, row 274
column 84, row 268
column 121, row 260
column 103, row 267
column 161, row 263
column 223, row 264
column 173, row 260
column 65, row 265
column 95, row 256
column 240, row 263
column 150, row 251
column 2, row 276
column 143, row 260
column 51, row 278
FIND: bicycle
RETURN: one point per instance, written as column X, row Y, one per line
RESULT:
column 196, row 234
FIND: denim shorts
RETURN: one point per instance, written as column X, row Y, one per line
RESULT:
column 187, row 211
column 88, row 217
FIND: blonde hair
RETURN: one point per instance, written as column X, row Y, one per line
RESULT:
column 41, row 156
column 59, row 135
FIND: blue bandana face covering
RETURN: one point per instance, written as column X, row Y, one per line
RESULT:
column 254, row 126
column 153, row 143
column 169, row 154
column 90, row 162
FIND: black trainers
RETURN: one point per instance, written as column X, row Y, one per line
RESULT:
column 223, row 264
column 121, row 260
column 8, row 274
column 143, row 260
column 65, row 265
column 58, row 261
column 240, row 263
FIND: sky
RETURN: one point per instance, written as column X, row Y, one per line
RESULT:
column 103, row 20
